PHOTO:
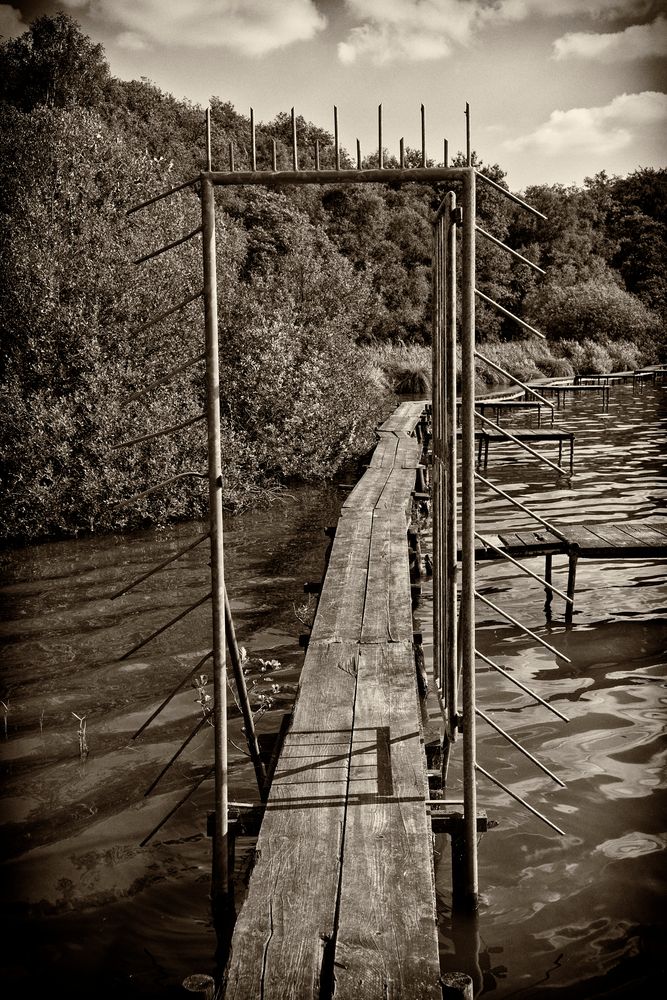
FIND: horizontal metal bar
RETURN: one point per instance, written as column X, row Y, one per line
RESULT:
column 163, row 194
column 174, row 757
column 419, row 175
column 443, row 802
column 164, row 628
column 512, row 197
column 524, row 569
column 156, row 569
column 172, row 694
column 165, row 377
column 181, row 802
column 513, row 378
column 524, row 628
column 521, row 685
column 515, row 743
column 160, row 433
column 167, row 312
column 510, row 250
column 521, row 506
column 521, row 444
column 169, row 246
column 478, row 767
column 510, row 315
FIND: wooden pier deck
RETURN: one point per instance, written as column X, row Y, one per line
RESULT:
column 594, row 540
column 342, row 898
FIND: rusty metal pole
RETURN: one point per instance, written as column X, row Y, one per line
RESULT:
column 220, row 886
column 470, row 900
column 209, row 165
column 451, row 518
column 437, row 471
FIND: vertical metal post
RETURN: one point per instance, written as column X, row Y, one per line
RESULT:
column 468, row 536
column 402, row 153
column 446, row 152
column 358, row 155
column 380, row 153
column 423, row 137
column 208, row 138
column 336, row 142
column 231, row 157
column 220, row 889
column 468, row 154
column 295, row 155
column 436, row 418
column 451, row 519
column 253, row 148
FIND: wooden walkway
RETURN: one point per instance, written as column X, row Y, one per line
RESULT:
column 342, row 898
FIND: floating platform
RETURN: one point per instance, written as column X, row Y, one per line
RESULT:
column 341, row 898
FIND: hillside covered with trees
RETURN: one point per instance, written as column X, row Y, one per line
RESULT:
column 324, row 293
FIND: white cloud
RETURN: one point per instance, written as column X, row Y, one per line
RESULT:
column 11, row 24
column 600, row 130
column 391, row 30
column 251, row 27
column 640, row 41
column 411, row 29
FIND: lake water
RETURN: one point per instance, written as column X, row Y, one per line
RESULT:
column 89, row 911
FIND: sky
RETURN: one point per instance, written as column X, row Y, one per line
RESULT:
column 558, row 89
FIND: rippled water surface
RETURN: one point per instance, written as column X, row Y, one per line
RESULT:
column 88, row 910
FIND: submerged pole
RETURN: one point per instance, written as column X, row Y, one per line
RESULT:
column 220, row 885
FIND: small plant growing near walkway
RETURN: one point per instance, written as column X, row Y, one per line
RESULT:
column 202, row 697
column 84, row 749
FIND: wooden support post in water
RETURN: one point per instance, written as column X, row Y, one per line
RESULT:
column 573, row 556
column 221, row 895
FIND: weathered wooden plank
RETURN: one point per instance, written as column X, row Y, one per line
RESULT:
column 387, row 615
column 397, row 492
column 385, row 451
column 539, row 537
column 404, row 417
column 644, row 534
column 368, row 490
column 660, row 526
column 528, row 435
column 529, row 543
column 341, row 605
column 279, row 945
column 590, row 544
column 386, row 945
column 408, row 453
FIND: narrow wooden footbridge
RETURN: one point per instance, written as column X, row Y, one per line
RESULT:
column 341, row 899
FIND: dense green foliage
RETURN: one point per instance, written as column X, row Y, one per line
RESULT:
column 323, row 292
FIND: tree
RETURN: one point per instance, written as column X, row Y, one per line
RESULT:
column 53, row 65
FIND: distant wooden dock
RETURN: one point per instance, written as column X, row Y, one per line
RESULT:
column 592, row 540
column 341, row 899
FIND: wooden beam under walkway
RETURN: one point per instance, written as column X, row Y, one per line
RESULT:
column 341, row 899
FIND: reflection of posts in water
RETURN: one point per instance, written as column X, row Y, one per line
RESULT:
column 465, row 938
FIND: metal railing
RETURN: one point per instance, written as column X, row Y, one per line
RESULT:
column 455, row 651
